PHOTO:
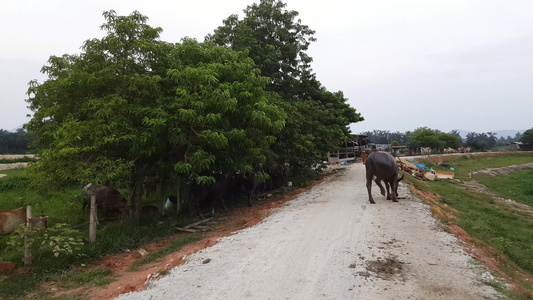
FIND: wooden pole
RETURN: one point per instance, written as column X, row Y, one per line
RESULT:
column 93, row 219
column 27, row 249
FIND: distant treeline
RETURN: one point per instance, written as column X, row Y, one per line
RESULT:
column 477, row 141
column 14, row 142
column 18, row 142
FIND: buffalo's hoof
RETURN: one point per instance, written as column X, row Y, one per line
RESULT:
column 394, row 200
column 372, row 202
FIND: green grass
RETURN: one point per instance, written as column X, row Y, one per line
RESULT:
column 517, row 185
column 172, row 247
column 464, row 164
column 22, row 284
column 79, row 277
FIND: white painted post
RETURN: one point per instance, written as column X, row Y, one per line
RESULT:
column 27, row 249
column 91, row 190
column 93, row 221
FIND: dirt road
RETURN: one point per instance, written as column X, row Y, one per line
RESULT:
column 329, row 243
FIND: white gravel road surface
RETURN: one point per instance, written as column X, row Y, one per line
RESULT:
column 330, row 243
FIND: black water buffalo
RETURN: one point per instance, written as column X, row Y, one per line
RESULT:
column 149, row 210
column 108, row 199
column 209, row 196
column 251, row 184
column 383, row 167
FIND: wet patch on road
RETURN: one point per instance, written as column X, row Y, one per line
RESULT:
column 389, row 268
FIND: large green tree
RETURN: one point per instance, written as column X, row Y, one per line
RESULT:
column 277, row 42
column 274, row 39
column 481, row 141
column 527, row 137
column 435, row 139
column 131, row 105
column 385, row 136
column 88, row 114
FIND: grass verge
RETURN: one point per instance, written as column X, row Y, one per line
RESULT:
column 505, row 234
column 79, row 277
column 172, row 247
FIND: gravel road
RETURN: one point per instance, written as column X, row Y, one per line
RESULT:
column 330, row 243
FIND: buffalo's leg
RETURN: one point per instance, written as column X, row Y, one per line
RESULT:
column 388, row 186
column 224, row 207
column 252, row 193
column 378, row 182
column 369, row 188
column 394, row 189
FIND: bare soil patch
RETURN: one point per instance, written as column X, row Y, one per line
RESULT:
column 16, row 156
column 13, row 166
column 504, row 170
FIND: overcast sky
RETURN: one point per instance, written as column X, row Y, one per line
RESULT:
column 402, row 64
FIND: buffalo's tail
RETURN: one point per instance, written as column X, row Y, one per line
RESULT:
column 401, row 178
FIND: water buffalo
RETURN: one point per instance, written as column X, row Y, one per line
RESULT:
column 209, row 196
column 149, row 210
column 383, row 167
column 109, row 200
column 10, row 219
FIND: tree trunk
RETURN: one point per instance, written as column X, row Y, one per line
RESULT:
column 136, row 199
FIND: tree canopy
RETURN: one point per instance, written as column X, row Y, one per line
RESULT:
column 131, row 105
column 427, row 137
column 277, row 42
column 481, row 141
column 274, row 39
column 14, row 142
column 386, row 136
column 527, row 137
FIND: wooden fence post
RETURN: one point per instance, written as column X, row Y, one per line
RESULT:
column 27, row 249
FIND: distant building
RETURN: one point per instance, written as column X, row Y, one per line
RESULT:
column 350, row 150
column 523, row 147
